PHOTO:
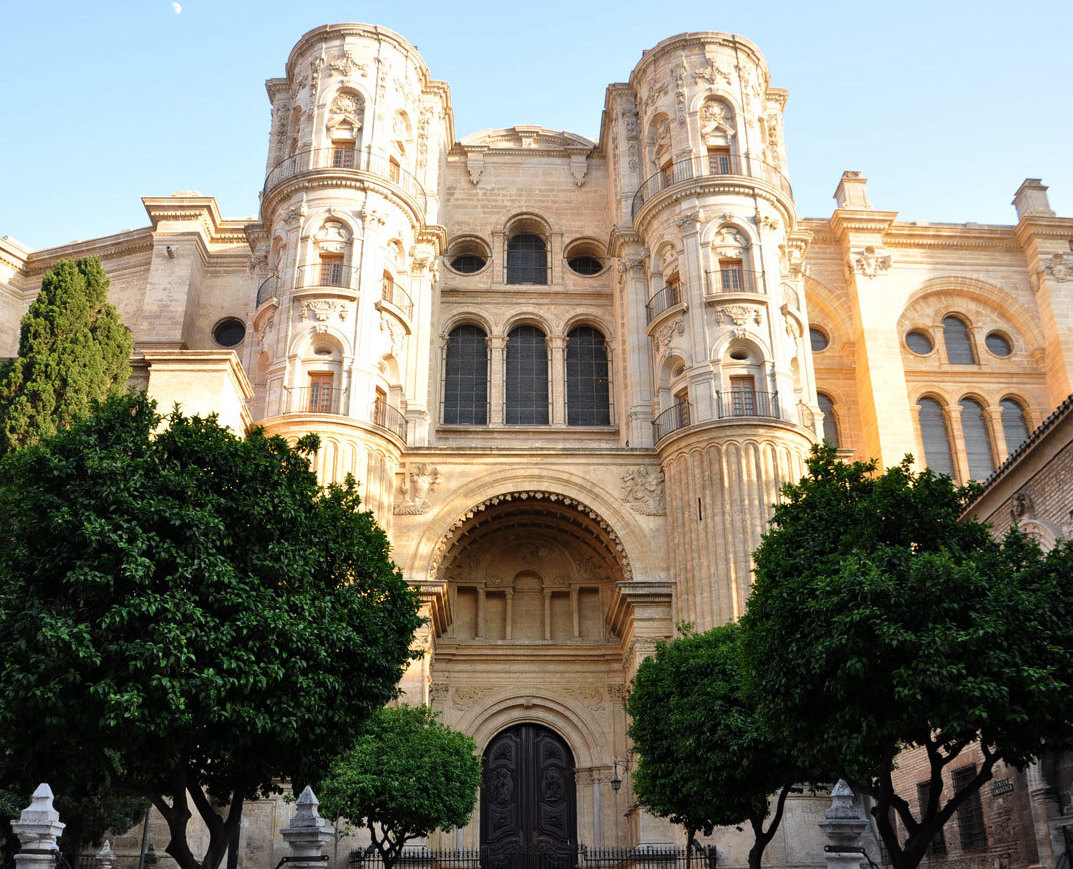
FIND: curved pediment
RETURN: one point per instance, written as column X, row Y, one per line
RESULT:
column 528, row 138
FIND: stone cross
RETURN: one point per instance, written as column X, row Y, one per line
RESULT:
column 38, row 828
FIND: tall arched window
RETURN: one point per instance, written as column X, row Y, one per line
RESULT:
column 587, row 388
column 1014, row 424
column 830, row 424
column 978, row 447
column 935, row 437
column 527, row 377
column 527, row 259
column 465, row 382
column 958, row 343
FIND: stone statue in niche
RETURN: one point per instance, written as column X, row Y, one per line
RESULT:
column 417, row 483
column 642, row 490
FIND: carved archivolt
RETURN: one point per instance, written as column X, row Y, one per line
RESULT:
column 642, row 490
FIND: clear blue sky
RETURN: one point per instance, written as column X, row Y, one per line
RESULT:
column 945, row 107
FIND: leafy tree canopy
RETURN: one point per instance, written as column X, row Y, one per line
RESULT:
column 185, row 611
column 704, row 759
column 405, row 776
column 879, row 621
column 73, row 350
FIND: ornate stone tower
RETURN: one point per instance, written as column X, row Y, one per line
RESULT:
column 720, row 379
column 347, row 250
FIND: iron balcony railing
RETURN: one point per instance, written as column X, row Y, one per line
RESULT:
column 314, row 399
column 693, row 168
column 270, row 288
column 395, row 295
column 325, row 274
column 734, row 280
column 544, row 856
column 677, row 416
column 746, row 402
column 389, row 418
column 668, row 297
column 365, row 161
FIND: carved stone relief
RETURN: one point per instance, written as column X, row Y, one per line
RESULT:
column 712, row 73
column 1060, row 267
column 589, row 695
column 716, row 122
column 667, row 333
column 870, row 262
column 642, row 490
column 464, row 698
column 417, row 484
column 346, row 64
column 323, row 310
column 738, row 315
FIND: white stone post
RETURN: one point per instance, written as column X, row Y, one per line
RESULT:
column 308, row 833
column 843, row 825
column 38, row 828
column 106, row 856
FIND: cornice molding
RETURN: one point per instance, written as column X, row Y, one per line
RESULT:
column 847, row 220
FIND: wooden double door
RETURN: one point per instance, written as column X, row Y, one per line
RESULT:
column 528, row 801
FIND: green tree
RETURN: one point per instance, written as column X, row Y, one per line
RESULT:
column 880, row 620
column 405, row 776
column 703, row 757
column 73, row 350
column 187, row 612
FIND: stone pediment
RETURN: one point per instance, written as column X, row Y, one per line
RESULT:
column 528, row 138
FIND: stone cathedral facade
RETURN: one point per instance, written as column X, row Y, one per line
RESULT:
column 572, row 375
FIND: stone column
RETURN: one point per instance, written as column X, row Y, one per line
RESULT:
column 38, row 828
column 843, row 825
column 308, row 833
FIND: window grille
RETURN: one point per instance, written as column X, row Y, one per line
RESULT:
column 1014, row 425
column 937, row 848
column 830, row 424
column 971, row 813
column 958, row 343
column 465, row 386
column 527, row 377
column 527, row 259
column 978, row 448
column 587, row 387
column 935, row 437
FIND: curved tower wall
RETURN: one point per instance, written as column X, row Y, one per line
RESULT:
column 720, row 378
column 348, row 252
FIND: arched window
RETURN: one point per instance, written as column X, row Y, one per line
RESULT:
column 830, row 424
column 978, row 447
column 958, row 343
column 465, row 382
column 935, row 437
column 587, row 389
column 1014, row 424
column 527, row 259
column 527, row 377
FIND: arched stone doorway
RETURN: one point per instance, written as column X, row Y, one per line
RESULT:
column 528, row 800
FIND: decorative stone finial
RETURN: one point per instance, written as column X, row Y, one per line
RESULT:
column 308, row 833
column 1031, row 198
column 106, row 856
column 843, row 824
column 38, row 828
column 852, row 191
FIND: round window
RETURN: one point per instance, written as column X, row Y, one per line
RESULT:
column 919, row 343
column 229, row 332
column 818, row 339
column 468, row 263
column 585, row 265
column 998, row 344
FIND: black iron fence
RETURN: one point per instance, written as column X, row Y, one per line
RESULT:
column 668, row 297
column 544, row 857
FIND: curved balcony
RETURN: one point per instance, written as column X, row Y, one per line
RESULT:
column 746, row 402
column 736, row 403
column 270, row 288
column 693, row 168
column 364, row 162
column 388, row 418
column 677, row 416
column 313, row 399
column 734, row 280
column 668, row 297
column 395, row 295
column 326, row 274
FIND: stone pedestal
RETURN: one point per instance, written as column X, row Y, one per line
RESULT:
column 38, row 828
column 308, row 833
column 843, row 825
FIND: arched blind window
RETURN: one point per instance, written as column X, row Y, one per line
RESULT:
column 587, row 389
column 936, row 437
column 465, row 383
column 830, row 424
column 958, row 344
column 527, row 259
column 1014, row 424
column 527, row 377
column 978, row 448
